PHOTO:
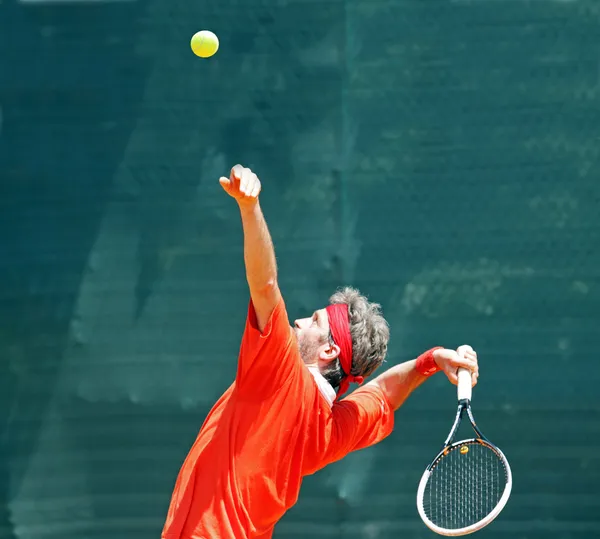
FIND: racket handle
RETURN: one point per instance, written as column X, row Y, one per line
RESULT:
column 464, row 384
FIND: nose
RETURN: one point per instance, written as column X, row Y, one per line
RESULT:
column 300, row 323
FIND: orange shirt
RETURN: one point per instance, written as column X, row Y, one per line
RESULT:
column 266, row 432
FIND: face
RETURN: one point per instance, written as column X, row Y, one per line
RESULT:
column 316, row 347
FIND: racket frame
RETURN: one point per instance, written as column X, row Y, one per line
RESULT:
column 464, row 404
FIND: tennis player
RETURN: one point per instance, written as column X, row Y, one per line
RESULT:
column 283, row 418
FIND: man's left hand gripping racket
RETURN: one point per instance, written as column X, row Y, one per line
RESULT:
column 469, row 482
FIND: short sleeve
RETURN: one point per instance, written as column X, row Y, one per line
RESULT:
column 362, row 419
column 267, row 359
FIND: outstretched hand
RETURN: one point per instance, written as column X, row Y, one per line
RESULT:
column 243, row 185
column 450, row 361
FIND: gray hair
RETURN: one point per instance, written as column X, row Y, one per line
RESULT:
column 370, row 335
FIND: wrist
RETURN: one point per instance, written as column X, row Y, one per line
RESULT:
column 248, row 207
column 426, row 364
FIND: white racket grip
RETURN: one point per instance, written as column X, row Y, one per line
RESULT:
column 464, row 384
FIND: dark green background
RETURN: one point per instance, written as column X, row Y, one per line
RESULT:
column 440, row 155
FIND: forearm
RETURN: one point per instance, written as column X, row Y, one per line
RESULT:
column 398, row 382
column 259, row 254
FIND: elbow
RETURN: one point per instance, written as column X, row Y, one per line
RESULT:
column 264, row 290
column 384, row 388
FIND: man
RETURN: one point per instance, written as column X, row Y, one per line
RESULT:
column 282, row 419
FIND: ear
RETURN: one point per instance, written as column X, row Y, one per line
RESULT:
column 329, row 352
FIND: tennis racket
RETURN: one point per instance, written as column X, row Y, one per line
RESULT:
column 469, row 482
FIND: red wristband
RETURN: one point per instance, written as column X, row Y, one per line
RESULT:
column 426, row 365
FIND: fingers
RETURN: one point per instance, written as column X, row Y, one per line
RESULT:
column 243, row 184
column 468, row 353
column 242, row 178
column 464, row 350
column 246, row 181
column 463, row 358
column 451, row 361
column 471, row 355
column 453, row 377
column 256, row 190
column 249, row 183
column 236, row 174
column 225, row 184
column 464, row 363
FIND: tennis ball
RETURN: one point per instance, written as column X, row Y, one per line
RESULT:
column 205, row 44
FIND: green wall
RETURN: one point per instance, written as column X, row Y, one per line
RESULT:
column 441, row 156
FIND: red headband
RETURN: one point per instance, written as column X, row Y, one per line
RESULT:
column 340, row 331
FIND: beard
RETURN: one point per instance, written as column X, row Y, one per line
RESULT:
column 307, row 348
column 309, row 353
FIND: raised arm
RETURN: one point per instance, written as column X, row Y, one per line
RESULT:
column 259, row 255
column 398, row 382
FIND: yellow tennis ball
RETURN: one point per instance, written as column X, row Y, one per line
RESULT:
column 205, row 44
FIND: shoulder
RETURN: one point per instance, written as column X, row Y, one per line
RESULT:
column 275, row 327
column 366, row 404
column 269, row 356
column 264, row 304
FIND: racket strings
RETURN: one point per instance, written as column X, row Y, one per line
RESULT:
column 464, row 487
